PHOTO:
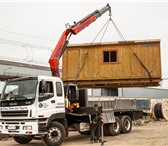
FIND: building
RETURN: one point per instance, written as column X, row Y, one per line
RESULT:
column 153, row 93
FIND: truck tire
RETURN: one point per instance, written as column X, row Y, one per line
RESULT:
column 126, row 124
column 114, row 128
column 21, row 139
column 55, row 134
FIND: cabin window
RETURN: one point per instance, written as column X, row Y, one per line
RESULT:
column 45, row 90
column 59, row 88
column 110, row 56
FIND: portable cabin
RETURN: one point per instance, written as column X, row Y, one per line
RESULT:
column 113, row 64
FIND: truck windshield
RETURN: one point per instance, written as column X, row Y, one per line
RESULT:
column 19, row 90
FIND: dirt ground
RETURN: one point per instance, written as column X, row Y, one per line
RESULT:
column 154, row 133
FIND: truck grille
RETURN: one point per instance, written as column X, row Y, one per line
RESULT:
column 14, row 113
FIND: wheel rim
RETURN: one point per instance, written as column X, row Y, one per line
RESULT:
column 116, row 126
column 127, row 124
column 54, row 134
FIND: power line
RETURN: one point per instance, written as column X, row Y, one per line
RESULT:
column 23, row 44
column 27, row 35
column 21, row 60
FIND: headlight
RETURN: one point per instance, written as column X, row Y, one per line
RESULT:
column 1, row 127
column 27, row 127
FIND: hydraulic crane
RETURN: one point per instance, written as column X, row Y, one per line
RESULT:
column 73, row 29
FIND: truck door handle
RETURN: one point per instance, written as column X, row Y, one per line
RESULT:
column 52, row 101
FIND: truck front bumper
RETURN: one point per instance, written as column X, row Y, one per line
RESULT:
column 19, row 127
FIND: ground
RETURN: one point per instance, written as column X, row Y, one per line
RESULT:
column 154, row 133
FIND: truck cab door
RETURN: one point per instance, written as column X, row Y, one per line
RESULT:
column 46, row 99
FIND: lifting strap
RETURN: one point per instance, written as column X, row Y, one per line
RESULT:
column 86, row 54
column 123, row 39
column 105, row 26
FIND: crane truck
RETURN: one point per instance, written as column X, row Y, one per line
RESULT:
column 42, row 107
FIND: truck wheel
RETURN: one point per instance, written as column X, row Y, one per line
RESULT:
column 22, row 140
column 126, row 124
column 55, row 134
column 114, row 128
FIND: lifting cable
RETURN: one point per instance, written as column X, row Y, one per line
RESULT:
column 124, row 40
column 105, row 26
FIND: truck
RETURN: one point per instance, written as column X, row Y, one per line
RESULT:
column 43, row 107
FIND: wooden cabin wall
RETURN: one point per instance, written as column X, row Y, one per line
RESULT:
column 86, row 62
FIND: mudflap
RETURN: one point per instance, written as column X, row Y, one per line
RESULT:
column 136, row 115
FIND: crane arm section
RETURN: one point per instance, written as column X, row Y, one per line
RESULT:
column 73, row 29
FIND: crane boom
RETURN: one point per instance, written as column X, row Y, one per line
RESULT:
column 73, row 29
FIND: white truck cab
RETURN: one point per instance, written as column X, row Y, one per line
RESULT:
column 28, row 105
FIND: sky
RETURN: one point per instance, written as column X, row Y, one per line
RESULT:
column 30, row 30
